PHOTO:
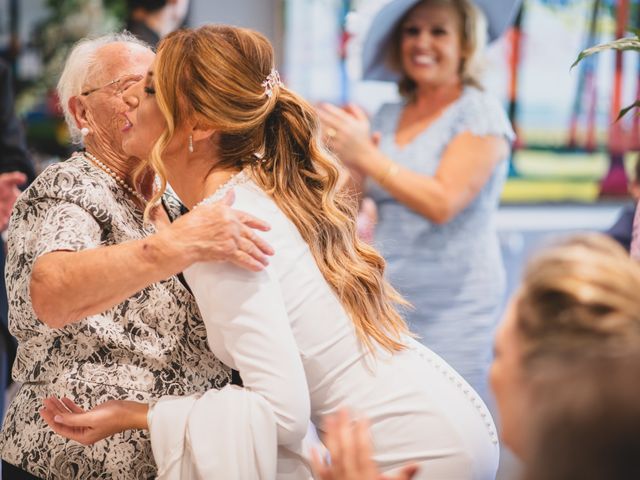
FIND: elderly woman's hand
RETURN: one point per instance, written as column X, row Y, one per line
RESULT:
column 350, row 447
column 346, row 132
column 217, row 232
column 87, row 427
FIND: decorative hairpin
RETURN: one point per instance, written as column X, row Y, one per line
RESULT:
column 273, row 80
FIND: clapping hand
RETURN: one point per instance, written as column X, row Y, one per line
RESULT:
column 347, row 133
column 9, row 192
column 351, row 454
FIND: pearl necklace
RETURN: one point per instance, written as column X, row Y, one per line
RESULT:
column 119, row 180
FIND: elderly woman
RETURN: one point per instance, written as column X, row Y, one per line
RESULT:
column 94, row 298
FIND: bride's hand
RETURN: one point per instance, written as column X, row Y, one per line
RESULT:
column 87, row 427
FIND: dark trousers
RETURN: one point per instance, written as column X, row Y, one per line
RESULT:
column 11, row 472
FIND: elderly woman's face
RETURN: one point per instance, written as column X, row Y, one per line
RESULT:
column 121, row 65
column 507, row 381
column 430, row 45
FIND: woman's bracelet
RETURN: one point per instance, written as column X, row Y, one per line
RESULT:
column 391, row 171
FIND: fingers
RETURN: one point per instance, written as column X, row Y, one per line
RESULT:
column 71, row 405
column 356, row 111
column 257, row 241
column 246, row 261
column 334, row 112
column 15, row 178
column 320, row 467
column 52, row 409
column 251, row 221
column 330, row 124
column 249, row 246
column 407, row 473
column 348, row 455
column 350, row 448
column 229, row 198
column 362, row 449
column 66, row 413
column 54, row 405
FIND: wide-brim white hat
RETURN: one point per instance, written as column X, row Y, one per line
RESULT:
column 500, row 15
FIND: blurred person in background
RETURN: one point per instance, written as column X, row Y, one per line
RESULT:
column 622, row 229
column 435, row 169
column 95, row 299
column 16, row 170
column 150, row 20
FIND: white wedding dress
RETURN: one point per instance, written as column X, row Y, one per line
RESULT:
column 299, row 357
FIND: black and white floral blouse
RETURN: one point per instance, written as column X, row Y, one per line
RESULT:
column 152, row 344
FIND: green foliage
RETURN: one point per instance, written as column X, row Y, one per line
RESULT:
column 68, row 21
column 621, row 45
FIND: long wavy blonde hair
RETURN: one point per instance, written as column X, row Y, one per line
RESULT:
column 580, row 294
column 214, row 76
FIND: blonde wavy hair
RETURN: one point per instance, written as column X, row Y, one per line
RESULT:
column 213, row 76
column 578, row 295
column 473, row 42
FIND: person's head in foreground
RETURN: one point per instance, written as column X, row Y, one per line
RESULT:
column 213, row 105
column 576, row 297
column 585, row 417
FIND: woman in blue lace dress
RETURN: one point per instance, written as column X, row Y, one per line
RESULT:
column 435, row 167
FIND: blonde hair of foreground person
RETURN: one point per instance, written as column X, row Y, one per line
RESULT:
column 210, row 78
column 581, row 293
column 585, row 416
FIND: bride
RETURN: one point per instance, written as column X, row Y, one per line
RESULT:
column 318, row 329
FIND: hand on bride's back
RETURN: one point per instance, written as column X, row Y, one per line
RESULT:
column 217, row 232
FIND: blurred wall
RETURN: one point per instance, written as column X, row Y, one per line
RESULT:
column 266, row 16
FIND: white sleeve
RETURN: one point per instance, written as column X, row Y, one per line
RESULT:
column 247, row 322
column 244, row 444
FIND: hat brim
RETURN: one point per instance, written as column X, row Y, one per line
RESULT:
column 500, row 15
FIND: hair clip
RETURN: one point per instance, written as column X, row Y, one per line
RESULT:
column 273, row 80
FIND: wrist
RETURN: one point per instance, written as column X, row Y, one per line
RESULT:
column 365, row 156
column 386, row 173
column 163, row 250
column 136, row 415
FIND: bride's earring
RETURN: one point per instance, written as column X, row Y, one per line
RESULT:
column 84, row 131
column 190, row 143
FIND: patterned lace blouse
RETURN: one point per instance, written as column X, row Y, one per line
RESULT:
column 152, row 344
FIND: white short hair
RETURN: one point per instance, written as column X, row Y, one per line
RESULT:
column 80, row 64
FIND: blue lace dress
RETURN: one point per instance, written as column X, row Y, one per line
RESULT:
column 452, row 273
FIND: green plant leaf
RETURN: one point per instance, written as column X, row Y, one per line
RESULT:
column 625, row 110
column 621, row 44
column 635, row 31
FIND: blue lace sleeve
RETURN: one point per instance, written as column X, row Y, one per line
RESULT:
column 481, row 114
